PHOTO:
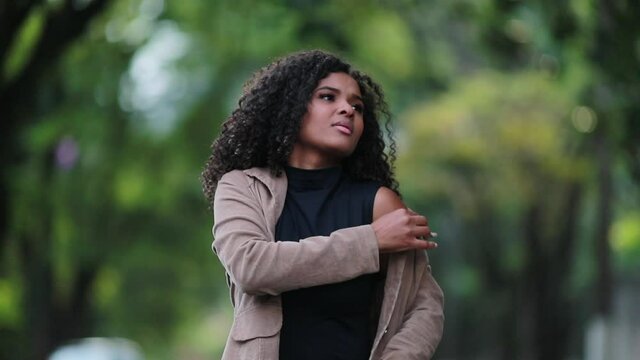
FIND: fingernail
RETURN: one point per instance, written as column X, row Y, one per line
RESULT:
column 433, row 234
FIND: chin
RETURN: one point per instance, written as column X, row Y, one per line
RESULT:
column 344, row 149
column 343, row 153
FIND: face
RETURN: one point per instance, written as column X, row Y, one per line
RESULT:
column 333, row 124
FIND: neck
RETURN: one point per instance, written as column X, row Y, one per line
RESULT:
column 311, row 161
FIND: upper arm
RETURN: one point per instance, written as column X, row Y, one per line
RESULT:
column 386, row 201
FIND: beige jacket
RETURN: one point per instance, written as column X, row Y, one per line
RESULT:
column 247, row 206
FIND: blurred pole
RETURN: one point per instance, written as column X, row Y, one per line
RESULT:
column 599, row 335
column 603, row 251
column 612, row 22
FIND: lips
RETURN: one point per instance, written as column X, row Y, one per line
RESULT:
column 344, row 127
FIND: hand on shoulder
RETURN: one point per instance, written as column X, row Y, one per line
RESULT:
column 397, row 227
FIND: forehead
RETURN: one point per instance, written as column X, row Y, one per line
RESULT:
column 342, row 82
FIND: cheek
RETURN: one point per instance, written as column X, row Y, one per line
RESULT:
column 308, row 123
column 359, row 128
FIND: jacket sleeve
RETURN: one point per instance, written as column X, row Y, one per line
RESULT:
column 258, row 265
column 423, row 322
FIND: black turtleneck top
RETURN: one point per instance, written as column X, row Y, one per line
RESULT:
column 330, row 321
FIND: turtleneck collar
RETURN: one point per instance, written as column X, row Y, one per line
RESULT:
column 312, row 179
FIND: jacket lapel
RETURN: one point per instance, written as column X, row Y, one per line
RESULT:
column 391, row 290
column 273, row 199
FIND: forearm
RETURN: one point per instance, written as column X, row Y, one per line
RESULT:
column 258, row 264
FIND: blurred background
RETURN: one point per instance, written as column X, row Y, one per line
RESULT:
column 518, row 128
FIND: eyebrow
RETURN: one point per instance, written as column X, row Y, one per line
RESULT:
column 336, row 90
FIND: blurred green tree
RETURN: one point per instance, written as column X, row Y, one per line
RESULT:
column 33, row 34
column 108, row 108
column 498, row 153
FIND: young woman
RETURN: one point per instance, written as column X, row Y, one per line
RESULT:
column 323, row 259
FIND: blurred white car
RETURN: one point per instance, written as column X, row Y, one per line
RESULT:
column 99, row 349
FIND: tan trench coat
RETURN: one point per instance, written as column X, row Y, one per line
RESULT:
column 247, row 206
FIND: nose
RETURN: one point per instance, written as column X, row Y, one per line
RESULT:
column 346, row 109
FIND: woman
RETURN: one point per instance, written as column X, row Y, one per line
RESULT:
column 323, row 259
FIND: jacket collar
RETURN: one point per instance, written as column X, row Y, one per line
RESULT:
column 277, row 185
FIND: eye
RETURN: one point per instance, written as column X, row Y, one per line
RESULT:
column 327, row 97
column 358, row 107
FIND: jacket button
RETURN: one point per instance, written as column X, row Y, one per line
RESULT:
column 386, row 330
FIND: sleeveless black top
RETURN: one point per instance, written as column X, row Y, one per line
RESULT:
column 330, row 321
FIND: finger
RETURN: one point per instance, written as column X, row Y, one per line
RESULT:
column 421, row 244
column 430, row 235
column 422, row 231
column 419, row 220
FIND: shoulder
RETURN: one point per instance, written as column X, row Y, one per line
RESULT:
column 386, row 201
column 256, row 179
column 233, row 178
column 237, row 177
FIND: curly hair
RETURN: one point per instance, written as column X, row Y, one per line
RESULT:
column 262, row 130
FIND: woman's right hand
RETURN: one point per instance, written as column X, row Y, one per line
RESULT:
column 397, row 227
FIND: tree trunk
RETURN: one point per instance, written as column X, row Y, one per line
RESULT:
column 17, row 95
column 546, row 308
column 604, row 280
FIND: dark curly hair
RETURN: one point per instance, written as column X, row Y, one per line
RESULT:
column 262, row 130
